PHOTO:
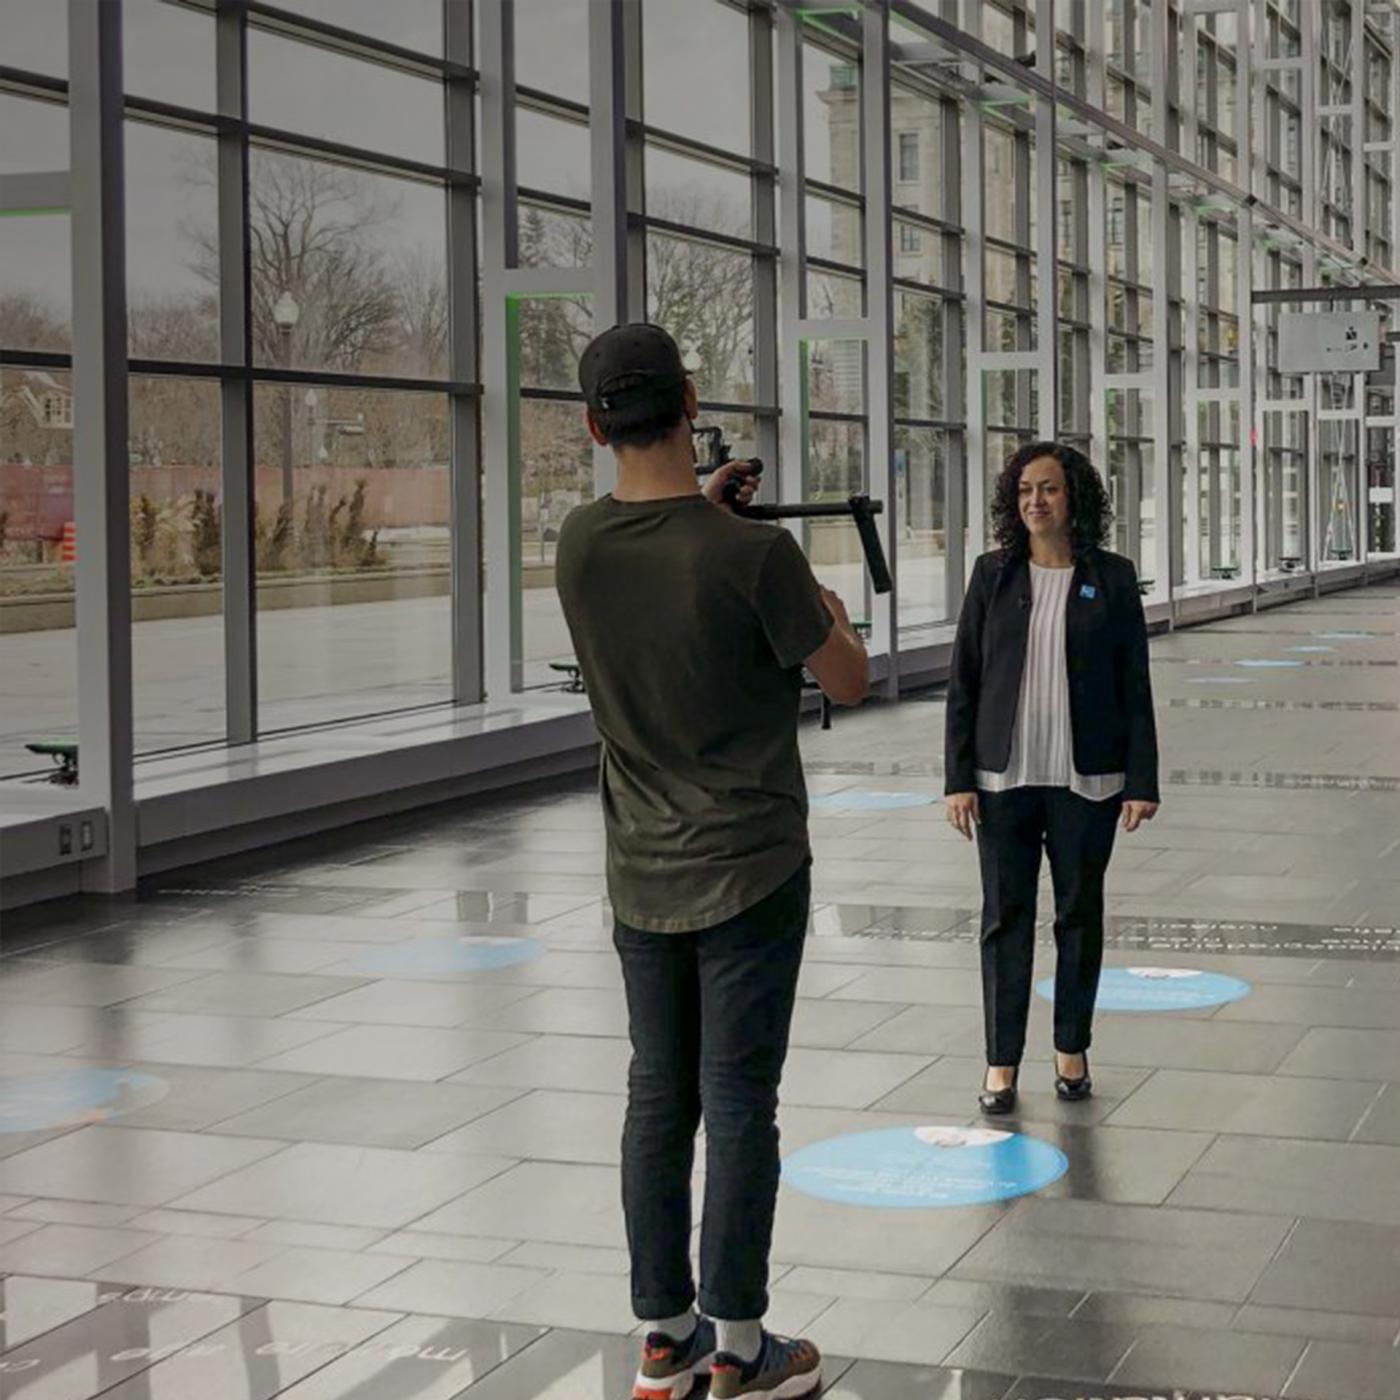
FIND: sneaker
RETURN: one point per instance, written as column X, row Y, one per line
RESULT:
column 782, row 1370
column 669, row 1367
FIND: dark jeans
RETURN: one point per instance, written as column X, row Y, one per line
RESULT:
column 710, row 1013
column 1078, row 837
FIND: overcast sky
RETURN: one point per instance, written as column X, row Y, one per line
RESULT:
column 169, row 54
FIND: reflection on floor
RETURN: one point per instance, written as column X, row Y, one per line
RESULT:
column 342, row 1120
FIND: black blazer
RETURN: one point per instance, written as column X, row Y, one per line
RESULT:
column 1110, row 689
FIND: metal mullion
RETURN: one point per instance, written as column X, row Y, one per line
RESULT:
column 500, row 356
column 102, row 483
column 838, row 269
column 929, row 223
column 607, row 92
column 764, row 206
column 792, row 270
column 559, row 203
column 336, row 152
column 551, row 104
column 237, row 457
column 351, row 43
column 1166, row 520
column 836, row 194
column 932, row 290
column 335, row 379
column 881, row 470
column 728, row 241
column 972, row 186
column 464, row 459
column 1047, row 230
column 702, row 151
column 954, row 382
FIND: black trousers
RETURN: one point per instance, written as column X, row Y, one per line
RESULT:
column 1078, row 837
column 709, row 1014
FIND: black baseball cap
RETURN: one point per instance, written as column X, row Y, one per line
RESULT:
column 631, row 374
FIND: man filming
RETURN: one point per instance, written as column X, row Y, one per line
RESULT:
column 691, row 625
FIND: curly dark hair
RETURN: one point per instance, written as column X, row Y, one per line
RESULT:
column 1090, row 513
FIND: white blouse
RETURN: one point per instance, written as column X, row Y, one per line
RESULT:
column 1042, row 741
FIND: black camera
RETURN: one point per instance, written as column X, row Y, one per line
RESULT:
column 860, row 508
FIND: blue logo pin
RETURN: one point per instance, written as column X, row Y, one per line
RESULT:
column 1087, row 590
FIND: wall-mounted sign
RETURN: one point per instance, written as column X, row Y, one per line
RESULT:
column 1343, row 341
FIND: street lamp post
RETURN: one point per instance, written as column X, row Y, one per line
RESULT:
column 286, row 313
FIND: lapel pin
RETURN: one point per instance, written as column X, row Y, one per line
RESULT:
column 1087, row 590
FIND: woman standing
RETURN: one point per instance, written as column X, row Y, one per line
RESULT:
column 1050, row 738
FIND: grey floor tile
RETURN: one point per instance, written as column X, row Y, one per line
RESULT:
column 1330, row 1181
column 169, row 1037
column 128, row 1166
column 1141, row 1309
column 416, row 1244
column 1133, row 1166
column 564, row 1366
column 29, row 1307
column 1246, row 1104
column 452, row 1289
column 825, row 1235
column 1069, row 1347
column 102, row 1346
column 1165, row 1042
column 925, row 1030
column 833, row 1025
column 289, row 1340
column 309, row 1235
column 89, row 1213
column 191, row 1262
column 1382, row 1121
column 197, row 1223
column 1336, row 1265
column 594, row 1064
column 842, row 1079
column 552, row 1202
column 202, row 1097
column 82, row 984
column 428, row 1004
column 921, row 986
column 251, row 954
column 1011, row 1299
column 244, row 994
column 1328, row 1053
column 1318, row 1326
column 856, row 1283
column 589, row 1302
column 1346, row 1368
column 369, row 1112
column 920, row 1333
column 333, row 1185
column 880, row 1380
column 1357, row 1008
column 393, row 1052
column 1091, row 1245
column 950, row 1085
column 1220, row 1360
column 571, row 1258
column 69, row 1251
column 46, row 1030
column 564, row 1011
column 546, row 1125
column 427, row 1358
column 330, row 1276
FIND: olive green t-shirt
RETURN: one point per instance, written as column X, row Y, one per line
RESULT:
column 690, row 625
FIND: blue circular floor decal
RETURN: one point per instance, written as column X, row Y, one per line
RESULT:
column 1311, row 650
column 1270, row 663
column 1218, row 680
column 1344, row 636
column 1159, row 989
column 67, row 1098
column 429, row 956
column 920, row 1168
column 873, row 801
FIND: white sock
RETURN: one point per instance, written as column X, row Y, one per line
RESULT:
column 679, row 1328
column 741, row 1339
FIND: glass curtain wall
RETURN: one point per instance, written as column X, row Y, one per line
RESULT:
column 347, row 477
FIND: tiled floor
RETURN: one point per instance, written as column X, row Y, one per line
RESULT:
column 355, row 1168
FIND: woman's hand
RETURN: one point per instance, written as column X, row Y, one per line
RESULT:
column 1135, row 813
column 964, row 811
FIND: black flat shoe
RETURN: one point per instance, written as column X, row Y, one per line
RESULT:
column 998, row 1101
column 1074, row 1090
